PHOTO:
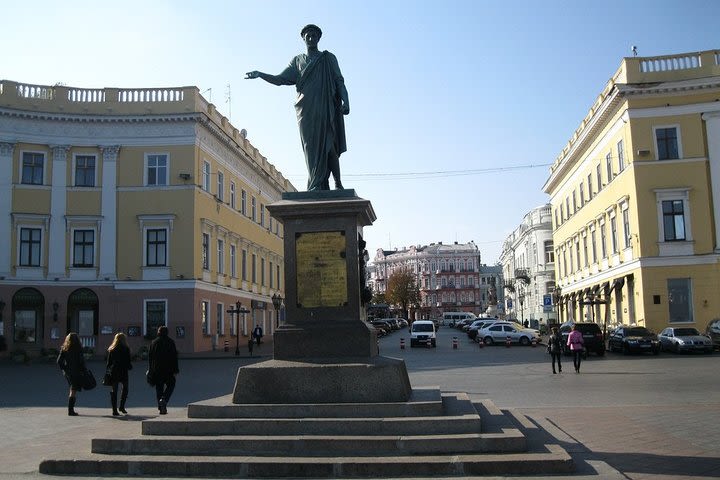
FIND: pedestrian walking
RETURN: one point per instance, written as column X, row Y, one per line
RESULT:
column 119, row 362
column 163, row 366
column 576, row 343
column 258, row 334
column 251, row 343
column 554, row 348
column 72, row 363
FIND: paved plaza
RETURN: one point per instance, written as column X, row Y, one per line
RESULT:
column 636, row 417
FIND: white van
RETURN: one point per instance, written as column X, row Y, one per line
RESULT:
column 421, row 332
column 452, row 318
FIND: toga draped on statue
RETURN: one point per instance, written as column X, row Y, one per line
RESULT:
column 319, row 84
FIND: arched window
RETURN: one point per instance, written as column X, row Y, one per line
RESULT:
column 28, row 307
column 82, row 315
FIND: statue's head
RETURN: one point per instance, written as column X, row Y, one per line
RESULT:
column 310, row 27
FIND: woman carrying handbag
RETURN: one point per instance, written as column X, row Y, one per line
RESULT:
column 72, row 363
column 116, row 373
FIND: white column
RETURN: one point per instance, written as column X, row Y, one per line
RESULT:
column 107, row 243
column 712, row 128
column 6, row 169
column 58, row 208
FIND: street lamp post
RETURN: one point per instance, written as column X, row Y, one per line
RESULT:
column 277, row 303
column 237, row 311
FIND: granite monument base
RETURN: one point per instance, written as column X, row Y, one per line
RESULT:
column 375, row 380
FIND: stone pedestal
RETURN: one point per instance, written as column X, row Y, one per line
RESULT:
column 324, row 352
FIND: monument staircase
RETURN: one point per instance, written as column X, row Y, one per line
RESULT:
column 433, row 434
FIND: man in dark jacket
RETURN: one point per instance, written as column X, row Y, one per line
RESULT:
column 163, row 366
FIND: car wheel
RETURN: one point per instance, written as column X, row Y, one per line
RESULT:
column 676, row 348
column 433, row 343
column 488, row 341
column 524, row 341
column 625, row 349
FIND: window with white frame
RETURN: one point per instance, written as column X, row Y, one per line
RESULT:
column 220, row 319
column 667, row 142
column 582, row 195
column 220, row 256
column 262, row 215
column 626, row 226
column 220, row 186
column 83, row 248
column 206, row 251
column 243, row 202
column 262, row 272
column 593, row 245
column 30, row 247
column 603, row 240
column 33, row 166
column 270, row 274
column 155, row 316
column 205, row 317
column 243, row 265
column 232, row 195
column 585, row 251
column 206, row 176
column 589, row 186
column 233, row 261
column 156, row 168
column 608, row 166
column 85, row 170
column 277, row 275
column 156, row 247
column 577, row 253
column 253, row 209
column 673, row 220
column 549, row 251
column 679, row 291
column 613, row 234
column 598, row 176
column 621, row 155
column 574, row 202
column 253, row 268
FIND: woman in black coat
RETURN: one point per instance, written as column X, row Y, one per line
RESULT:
column 72, row 364
column 118, row 364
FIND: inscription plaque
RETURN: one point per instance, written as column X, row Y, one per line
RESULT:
column 321, row 269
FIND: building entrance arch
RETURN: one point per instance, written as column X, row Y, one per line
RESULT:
column 82, row 316
column 28, row 311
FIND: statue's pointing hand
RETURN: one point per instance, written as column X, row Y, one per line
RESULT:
column 251, row 75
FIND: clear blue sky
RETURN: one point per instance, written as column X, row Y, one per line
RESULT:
column 488, row 92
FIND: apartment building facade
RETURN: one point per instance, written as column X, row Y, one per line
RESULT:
column 448, row 276
column 528, row 269
column 635, row 197
column 125, row 209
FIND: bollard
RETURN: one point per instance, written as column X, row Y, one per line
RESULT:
column 507, row 341
column 429, row 343
column 534, row 342
column 481, row 343
column 226, row 348
column 402, row 344
column 455, row 343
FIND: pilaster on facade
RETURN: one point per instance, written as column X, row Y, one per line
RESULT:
column 108, row 228
column 6, row 191
column 57, row 244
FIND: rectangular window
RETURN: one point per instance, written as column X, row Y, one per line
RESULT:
column 243, row 202
column 32, row 168
column 206, row 176
column 83, row 248
column 221, row 186
column 30, row 239
column 549, row 252
column 603, row 241
column 277, row 275
column 219, row 323
column 270, row 226
column 221, row 256
column 562, row 212
column 567, row 206
column 613, row 234
column 582, row 194
column 25, row 327
column 608, row 167
column 243, row 266
column 557, row 218
column 621, row 156
column 270, row 273
column 85, row 171
column 598, row 174
column 575, row 206
column 673, row 220
column 233, row 261
column 253, row 209
column 155, row 316
column 564, row 257
column 262, row 215
column 570, row 255
column 626, row 227
column 232, row 195
column 156, row 247
column 589, row 186
column 206, row 251
column 667, row 143
column 205, row 317
column 157, row 169
column 593, row 246
column 585, row 251
column 679, row 304
column 577, row 254
column 262, row 272
column 253, row 268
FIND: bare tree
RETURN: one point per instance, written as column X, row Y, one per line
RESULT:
column 402, row 290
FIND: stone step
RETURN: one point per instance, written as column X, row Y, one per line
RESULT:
column 441, row 425
column 509, row 440
column 552, row 460
column 422, row 402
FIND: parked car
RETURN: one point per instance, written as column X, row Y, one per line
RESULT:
column 592, row 337
column 713, row 331
column 684, row 339
column 498, row 332
column 382, row 325
column 633, row 339
column 421, row 332
column 476, row 326
column 452, row 318
column 393, row 322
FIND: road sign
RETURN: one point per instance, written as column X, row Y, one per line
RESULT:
column 547, row 300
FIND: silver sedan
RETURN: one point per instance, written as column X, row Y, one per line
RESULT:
column 684, row 339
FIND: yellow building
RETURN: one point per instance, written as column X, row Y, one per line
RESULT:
column 634, row 194
column 126, row 209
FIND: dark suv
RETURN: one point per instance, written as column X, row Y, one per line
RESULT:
column 592, row 337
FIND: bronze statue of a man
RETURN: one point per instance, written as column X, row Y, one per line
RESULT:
column 322, row 101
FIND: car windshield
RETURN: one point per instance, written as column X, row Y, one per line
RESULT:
column 686, row 332
column 638, row 332
column 422, row 327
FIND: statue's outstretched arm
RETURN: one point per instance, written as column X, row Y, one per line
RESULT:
column 274, row 79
